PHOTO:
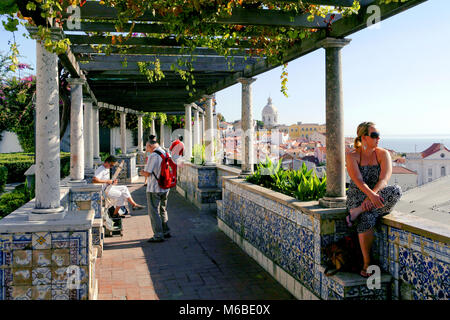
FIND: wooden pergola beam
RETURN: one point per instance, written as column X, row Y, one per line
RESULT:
column 144, row 41
column 133, row 66
column 95, row 11
column 88, row 49
column 164, row 59
column 339, row 29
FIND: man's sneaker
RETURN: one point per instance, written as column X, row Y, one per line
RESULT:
column 167, row 235
column 153, row 239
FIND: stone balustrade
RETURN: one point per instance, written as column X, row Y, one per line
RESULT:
column 287, row 238
column 47, row 259
column 202, row 185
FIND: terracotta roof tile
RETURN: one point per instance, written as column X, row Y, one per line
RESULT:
column 402, row 170
column 435, row 147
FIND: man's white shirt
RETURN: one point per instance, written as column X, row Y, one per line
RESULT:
column 154, row 166
column 102, row 173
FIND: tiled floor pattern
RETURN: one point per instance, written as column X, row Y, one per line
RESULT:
column 198, row 262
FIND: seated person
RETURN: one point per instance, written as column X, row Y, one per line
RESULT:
column 177, row 149
column 119, row 195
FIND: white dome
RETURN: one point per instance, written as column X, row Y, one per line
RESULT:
column 269, row 109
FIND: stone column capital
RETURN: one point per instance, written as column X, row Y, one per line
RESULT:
column 246, row 81
column 88, row 100
column 333, row 43
column 208, row 96
column 75, row 81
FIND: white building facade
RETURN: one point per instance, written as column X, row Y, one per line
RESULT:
column 431, row 164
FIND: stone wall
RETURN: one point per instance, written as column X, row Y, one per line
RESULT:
column 198, row 184
column 416, row 253
column 49, row 260
column 286, row 237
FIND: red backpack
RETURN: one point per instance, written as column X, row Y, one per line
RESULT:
column 168, row 176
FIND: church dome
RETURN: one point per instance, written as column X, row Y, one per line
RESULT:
column 270, row 114
column 269, row 109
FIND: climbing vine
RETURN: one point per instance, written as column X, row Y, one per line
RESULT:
column 194, row 22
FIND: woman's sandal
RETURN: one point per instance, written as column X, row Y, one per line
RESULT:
column 349, row 220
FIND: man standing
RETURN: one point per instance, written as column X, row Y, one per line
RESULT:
column 156, row 196
column 177, row 148
column 119, row 195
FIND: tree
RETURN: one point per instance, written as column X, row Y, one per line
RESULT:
column 220, row 117
column 259, row 124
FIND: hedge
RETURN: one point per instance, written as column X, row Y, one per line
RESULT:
column 3, row 177
column 18, row 163
column 13, row 200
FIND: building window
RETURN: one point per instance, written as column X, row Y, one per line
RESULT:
column 429, row 179
column 430, row 172
column 443, row 172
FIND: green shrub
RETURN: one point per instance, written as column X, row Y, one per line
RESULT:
column 3, row 178
column 14, row 200
column 198, row 154
column 18, row 163
column 104, row 155
column 11, row 201
column 301, row 184
column 65, row 164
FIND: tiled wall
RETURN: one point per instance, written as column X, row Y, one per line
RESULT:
column 78, row 198
column 198, row 184
column 35, row 265
column 419, row 265
column 293, row 240
column 290, row 238
column 129, row 170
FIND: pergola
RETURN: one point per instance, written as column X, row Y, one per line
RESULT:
column 107, row 82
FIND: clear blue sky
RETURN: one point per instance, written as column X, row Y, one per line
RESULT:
column 397, row 76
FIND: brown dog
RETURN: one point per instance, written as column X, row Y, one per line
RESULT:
column 344, row 255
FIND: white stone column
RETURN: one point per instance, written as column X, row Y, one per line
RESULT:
column 209, row 132
column 247, row 126
column 196, row 128
column 88, row 134
column 202, row 127
column 96, row 129
column 161, row 134
column 335, row 195
column 140, row 134
column 77, row 145
column 216, row 137
column 123, row 132
column 47, row 137
column 187, row 132
column 153, row 129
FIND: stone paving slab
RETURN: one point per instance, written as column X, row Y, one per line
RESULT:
column 198, row 262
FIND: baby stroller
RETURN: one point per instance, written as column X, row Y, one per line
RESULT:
column 113, row 225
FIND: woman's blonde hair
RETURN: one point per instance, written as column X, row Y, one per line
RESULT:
column 363, row 130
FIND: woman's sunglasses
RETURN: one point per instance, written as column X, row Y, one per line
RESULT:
column 374, row 135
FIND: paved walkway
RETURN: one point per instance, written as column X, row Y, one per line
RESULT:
column 198, row 262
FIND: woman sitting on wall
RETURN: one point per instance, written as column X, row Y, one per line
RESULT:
column 368, row 196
